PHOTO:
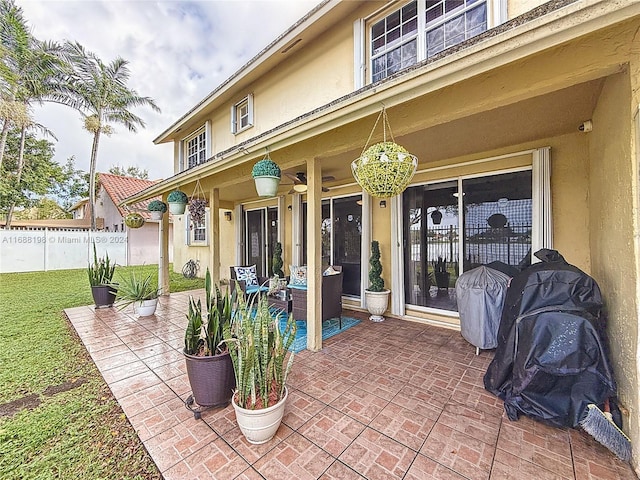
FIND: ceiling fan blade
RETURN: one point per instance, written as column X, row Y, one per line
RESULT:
column 293, row 177
column 325, row 189
column 328, row 178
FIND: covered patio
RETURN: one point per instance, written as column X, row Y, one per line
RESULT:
column 387, row 400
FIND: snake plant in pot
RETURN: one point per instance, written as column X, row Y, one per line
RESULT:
column 209, row 366
column 100, row 274
column 261, row 362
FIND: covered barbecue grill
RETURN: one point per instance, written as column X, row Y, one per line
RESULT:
column 551, row 359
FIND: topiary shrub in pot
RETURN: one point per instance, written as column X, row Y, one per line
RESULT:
column 177, row 202
column 376, row 296
column 266, row 174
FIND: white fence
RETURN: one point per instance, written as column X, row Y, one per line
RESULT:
column 41, row 250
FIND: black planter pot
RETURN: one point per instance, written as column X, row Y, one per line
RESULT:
column 212, row 379
column 103, row 295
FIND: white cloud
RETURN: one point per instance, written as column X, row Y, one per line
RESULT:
column 178, row 52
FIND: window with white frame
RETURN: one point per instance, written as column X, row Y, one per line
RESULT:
column 196, row 148
column 242, row 114
column 423, row 28
column 197, row 233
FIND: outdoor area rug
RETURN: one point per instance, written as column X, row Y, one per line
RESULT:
column 330, row 328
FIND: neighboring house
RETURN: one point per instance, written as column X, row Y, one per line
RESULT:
column 80, row 209
column 523, row 115
column 143, row 242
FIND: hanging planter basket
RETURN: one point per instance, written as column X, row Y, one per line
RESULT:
column 134, row 220
column 266, row 174
column 177, row 201
column 197, row 205
column 384, row 169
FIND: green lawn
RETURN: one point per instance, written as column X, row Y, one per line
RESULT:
column 75, row 433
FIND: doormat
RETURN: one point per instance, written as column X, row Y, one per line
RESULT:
column 330, row 328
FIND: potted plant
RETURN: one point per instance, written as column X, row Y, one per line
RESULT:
column 266, row 174
column 261, row 362
column 134, row 220
column 441, row 273
column 157, row 209
column 139, row 291
column 384, row 169
column 100, row 274
column 276, row 261
column 177, row 202
column 208, row 362
column 197, row 210
column 376, row 296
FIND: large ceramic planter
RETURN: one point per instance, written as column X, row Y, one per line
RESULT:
column 377, row 303
column 212, row 379
column 103, row 295
column 145, row 307
column 177, row 208
column 260, row 426
column 267, row 186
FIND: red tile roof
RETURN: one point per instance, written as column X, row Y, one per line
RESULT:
column 119, row 188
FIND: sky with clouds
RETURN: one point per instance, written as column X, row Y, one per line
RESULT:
column 178, row 52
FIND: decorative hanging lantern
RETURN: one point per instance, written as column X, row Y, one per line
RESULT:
column 384, row 169
column 134, row 220
column 436, row 217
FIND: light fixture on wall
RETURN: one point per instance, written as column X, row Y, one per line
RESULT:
column 383, row 204
column 227, row 216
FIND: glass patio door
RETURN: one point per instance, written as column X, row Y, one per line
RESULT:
column 261, row 234
column 341, row 231
column 495, row 221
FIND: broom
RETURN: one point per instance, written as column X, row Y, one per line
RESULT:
column 600, row 425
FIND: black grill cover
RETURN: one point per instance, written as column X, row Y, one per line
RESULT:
column 551, row 360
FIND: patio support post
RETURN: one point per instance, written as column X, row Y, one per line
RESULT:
column 214, row 245
column 163, row 260
column 314, row 242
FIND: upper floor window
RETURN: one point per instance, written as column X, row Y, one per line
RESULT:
column 242, row 114
column 197, row 234
column 449, row 22
column 421, row 29
column 196, row 148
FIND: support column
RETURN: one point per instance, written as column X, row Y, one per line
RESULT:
column 163, row 260
column 314, row 243
column 214, row 242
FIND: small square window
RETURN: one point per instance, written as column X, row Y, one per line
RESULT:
column 242, row 114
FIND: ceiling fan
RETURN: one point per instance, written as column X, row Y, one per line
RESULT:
column 300, row 182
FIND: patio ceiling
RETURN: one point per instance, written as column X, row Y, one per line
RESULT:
column 553, row 114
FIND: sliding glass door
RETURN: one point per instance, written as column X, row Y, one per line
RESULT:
column 261, row 234
column 494, row 214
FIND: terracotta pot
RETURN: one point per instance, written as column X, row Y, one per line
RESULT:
column 212, row 379
column 260, row 426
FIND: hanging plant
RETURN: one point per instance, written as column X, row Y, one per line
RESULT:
column 197, row 205
column 157, row 206
column 134, row 220
column 266, row 174
column 384, row 169
column 197, row 210
column 177, row 202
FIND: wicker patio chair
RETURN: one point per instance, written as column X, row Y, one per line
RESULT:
column 331, row 298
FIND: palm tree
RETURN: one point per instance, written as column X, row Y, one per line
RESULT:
column 100, row 93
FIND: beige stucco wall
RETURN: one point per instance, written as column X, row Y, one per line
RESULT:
column 613, row 194
column 518, row 7
column 182, row 252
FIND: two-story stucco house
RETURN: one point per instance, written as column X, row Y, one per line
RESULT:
column 523, row 115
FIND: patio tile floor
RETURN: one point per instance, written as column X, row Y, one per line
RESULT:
column 390, row 400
